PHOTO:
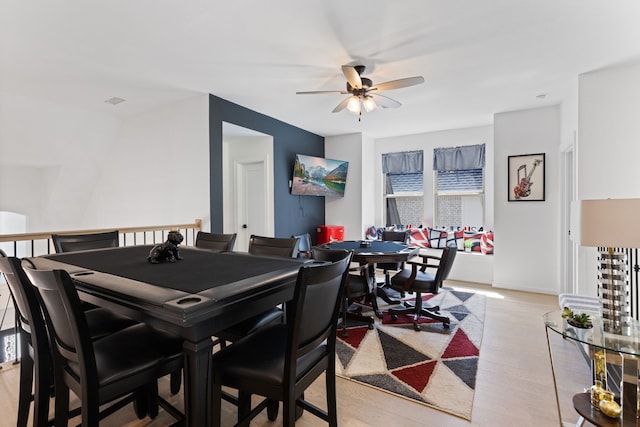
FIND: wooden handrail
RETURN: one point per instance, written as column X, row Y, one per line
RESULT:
column 47, row 234
column 34, row 244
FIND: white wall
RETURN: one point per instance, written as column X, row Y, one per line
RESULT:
column 527, row 238
column 608, row 145
column 157, row 172
column 354, row 208
column 50, row 156
column 66, row 168
column 427, row 142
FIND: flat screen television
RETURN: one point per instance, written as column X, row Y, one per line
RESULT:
column 317, row 176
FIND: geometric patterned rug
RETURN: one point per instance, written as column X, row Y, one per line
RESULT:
column 435, row 366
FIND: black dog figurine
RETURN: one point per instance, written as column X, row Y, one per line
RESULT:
column 167, row 251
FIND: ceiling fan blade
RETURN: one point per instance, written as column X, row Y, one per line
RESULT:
column 352, row 76
column 341, row 106
column 384, row 101
column 397, row 84
column 312, row 92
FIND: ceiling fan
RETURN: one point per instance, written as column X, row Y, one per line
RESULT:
column 364, row 95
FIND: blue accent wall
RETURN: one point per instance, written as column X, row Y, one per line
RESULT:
column 293, row 214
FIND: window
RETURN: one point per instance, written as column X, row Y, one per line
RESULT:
column 459, row 186
column 404, row 190
column 460, row 198
column 403, row 187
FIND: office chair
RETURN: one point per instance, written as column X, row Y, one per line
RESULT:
column 121, row 367
column 419, row 280
column 359, row 287
column 387, row 267
column 215, row 241
column 81, row 242
column 280, row 361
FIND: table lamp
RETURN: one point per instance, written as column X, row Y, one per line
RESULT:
column 612, row 225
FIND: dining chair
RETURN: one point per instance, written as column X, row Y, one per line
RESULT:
column 280, row 361
column 359, row 288
column 35, row 364
column 259, row 245
column 118, row 369
column 303, row 250
column 273, row 246
column 419, row 280
column 215, row 241
column 34, row 346
column 110, row 239
column 80, row 242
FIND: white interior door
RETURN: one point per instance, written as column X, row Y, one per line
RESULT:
column 251, row 203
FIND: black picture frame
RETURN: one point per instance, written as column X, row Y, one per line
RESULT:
column 526, row 178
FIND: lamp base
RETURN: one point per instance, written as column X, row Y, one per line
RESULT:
column 614, row 291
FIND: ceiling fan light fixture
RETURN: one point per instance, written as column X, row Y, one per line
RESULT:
column 354, row 104
column 369, row 103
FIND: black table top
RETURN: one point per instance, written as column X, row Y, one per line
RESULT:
column 376, row 251
column 378, row 246
column 200, row 279
column 197, row 271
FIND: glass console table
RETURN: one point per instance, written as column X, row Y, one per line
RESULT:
column 620, row 349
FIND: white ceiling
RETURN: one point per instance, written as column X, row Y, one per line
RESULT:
column 478, row 57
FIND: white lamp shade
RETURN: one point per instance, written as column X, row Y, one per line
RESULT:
column 369, row 103
column 354, row 104
column 613, row 223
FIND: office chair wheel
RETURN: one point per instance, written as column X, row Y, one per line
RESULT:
column 416, row 326
column 445, row 325
column 370, row 326
column 394, row 317
column 272, row 409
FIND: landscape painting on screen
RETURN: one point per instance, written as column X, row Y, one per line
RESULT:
column 317, row 176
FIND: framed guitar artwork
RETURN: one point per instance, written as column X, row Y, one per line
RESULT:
column 526, row 178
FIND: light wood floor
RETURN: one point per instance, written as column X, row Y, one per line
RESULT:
column 514, row 384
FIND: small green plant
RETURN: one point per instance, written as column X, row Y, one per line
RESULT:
column 581, row 320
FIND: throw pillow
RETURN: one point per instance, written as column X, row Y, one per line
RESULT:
column 417, row 237
column 437, row 238
column 472, row 241
column 456, row 238
column 486, row 243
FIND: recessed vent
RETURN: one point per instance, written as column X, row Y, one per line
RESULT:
column 115, row 100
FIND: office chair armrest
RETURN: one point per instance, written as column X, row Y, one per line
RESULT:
column 423, row 265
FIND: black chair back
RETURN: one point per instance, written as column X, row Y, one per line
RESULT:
column 331, row 255
column 273, row 246
column 446, row 262
column 395, row 236
column 215, row 241
column 315, row 308
column 82, row 242
column 68, row 329
column 34, row 344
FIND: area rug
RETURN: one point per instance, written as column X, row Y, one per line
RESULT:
column 435, row 366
